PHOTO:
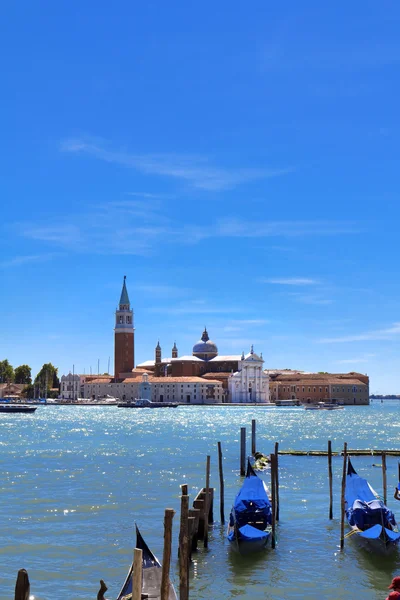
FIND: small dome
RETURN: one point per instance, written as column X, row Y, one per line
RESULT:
column 205, row 348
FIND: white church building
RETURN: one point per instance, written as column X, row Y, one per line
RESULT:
column 250, row 383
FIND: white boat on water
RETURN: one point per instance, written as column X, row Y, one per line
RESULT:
column 145, row 403
column 324, row 406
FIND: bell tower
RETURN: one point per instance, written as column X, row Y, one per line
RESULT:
column 174, row 351
column 124, row 349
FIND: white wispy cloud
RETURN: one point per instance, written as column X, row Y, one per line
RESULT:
column 196, row 170
column 289, row 281
column 359, row 359
column 377, row 334
column 142, row 226
column 237, row 227
column 252, row 321
column 17, row 261
column 163, row 290
column 312, row 299
column 194, row 308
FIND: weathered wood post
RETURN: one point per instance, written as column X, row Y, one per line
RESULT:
column 330, row 479
column 102, row 590
column 22, row 586
column 277, row 479
column 273, row 499
column 243, row 451
column 184, row 489
column 342, row 503
column 137, row 575
column 195, row 514
column 253, row 437
column 184, row 550
column 166, row 562
column 384, row 477
column 207, row 502
column 221, row 484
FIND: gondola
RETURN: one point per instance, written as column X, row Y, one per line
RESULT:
column 372, row 523
column 151, row 574
column 249, row 526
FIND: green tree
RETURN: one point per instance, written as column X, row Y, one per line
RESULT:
column 6, row 371
column 47, row 376
column 22, row 374
column 28, row 391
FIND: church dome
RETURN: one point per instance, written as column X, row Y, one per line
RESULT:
column 205, row 348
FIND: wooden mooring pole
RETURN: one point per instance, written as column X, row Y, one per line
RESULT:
column 137, row 574
column 273, row 499
column 207, row 502
column 330, row 479
column 243, row 451
column 221, row 484
column 184, row 489
column 384, row 477
column 277, row 479
column 102, row 590
column 22, row 586
column 166, row 562
column 184, row 550
column 342, row 503
column 253, row 437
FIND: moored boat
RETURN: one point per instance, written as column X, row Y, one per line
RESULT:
column 17, row 408
column 369, row 518
column 151, row 577
column 145, row 403
column 250, row 520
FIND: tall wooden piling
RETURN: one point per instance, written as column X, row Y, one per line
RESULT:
column 22, row 586
column 273, row 499
column 195, row 514
column 166, row 562
column 243, row 451
column 221, row 484
column 277, row 479
column 253, row 437
column 184, row 489
column 184, row 550
column 207, row 502
column 137, row 575
column 342, row 503
column 102, row 590
column 330, row 479
column 384, row 477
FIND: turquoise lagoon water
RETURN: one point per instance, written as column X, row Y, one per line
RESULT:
column 74, row 479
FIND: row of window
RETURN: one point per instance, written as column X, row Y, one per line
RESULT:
column 334, row 389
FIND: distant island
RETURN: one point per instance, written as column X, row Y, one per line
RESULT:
column 385, row 397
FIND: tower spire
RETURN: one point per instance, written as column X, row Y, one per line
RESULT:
column 124, row 300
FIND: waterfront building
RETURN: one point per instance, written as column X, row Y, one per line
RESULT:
column 70, row 387
column 310, row 388
column 249, row 383
column 11, row 390
column 242, row 377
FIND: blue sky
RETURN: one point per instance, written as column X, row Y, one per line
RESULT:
column 238, row 163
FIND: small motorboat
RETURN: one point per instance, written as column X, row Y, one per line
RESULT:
column 250, row 520
column 151, row 582
column 369, row 518
column 17, row 408
column 145, row 403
